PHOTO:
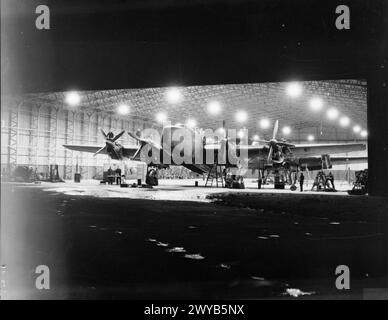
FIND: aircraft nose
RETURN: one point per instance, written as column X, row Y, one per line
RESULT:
column 109, row 144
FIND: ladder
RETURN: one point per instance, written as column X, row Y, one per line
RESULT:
column 215, row 173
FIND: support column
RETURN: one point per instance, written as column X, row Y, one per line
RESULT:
column 33, row 140
column 13, row 137
column 53, row 136
column 69, row 139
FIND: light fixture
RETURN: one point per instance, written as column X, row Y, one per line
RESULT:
column 332, row 113
column 286, row 130
column 310, row 137
column 174, row 95
column 240, row 134
column 123, row 109
column 241, row 116
column 256, row 137
column 73, row 99
column 294, row 89
column 344, row 121
column 191, row 123
column 364, row 133
column 264, row 123
column 161, row 117
column 214, row 107
column 220, row 131
column 356, row 129
column 316, row 104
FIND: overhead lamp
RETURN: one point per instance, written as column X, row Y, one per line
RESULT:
column 214, row 107
column 316, row 104
column 310, row 137
column 241, row 116
column 286, row 130
column 356, row 129
column 294, row 89
column 264, row 123
column 344, row 121
column 123, row 109
column 191, row 123
column 73, row 99
column 174, row 95
column 332, row 113
column 161, row 117
column 364, row 133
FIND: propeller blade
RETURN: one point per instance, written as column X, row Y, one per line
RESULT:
column 145, row 141
column 137, row 152
column 118, row 136
column 103, row 133
column 275, row 129
column 270, row 154
column 99, row 151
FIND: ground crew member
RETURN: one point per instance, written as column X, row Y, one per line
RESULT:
column 301, row 181
column 330, row 178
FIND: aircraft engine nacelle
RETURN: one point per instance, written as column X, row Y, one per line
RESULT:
column 312, row 163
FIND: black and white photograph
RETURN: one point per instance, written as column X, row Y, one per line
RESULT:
column 219, row 150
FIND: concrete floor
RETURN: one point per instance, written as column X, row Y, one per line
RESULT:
column 179, row 241
column 179, row 190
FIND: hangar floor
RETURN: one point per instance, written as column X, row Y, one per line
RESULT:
column 176, row 189
column 175, row 241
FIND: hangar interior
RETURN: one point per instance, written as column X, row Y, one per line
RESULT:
column 35, row 126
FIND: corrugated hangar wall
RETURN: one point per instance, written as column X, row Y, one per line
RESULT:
column 33, row 136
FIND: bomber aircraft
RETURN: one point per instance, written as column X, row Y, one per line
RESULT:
column 267, row 154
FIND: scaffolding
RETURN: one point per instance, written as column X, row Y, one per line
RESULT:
column 215, row 173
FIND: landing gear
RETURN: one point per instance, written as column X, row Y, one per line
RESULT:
column 361, row 185
column 152, row 177
column 292, row 180
column 280, row 176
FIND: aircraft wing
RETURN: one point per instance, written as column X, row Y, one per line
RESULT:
column 310, row 150
column 84, row 148
column 128, row 151
column 348, row 160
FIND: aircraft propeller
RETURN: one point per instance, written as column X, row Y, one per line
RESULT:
column 274, row 142
column 143, row 142
column 110, row 138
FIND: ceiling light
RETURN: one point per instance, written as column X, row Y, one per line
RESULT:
column 123, row 109
column 241, row 116
column 191, row 123
column 310, row 137
column 286, row 130
column 356, row 129
column 214, row 107
column 264, row 123
column 174, row 95
column 316, row 104
column 294, row 89
column 73, row 98
column 332, row 114
column 344, row 121
column 161, row 117
column 364, row 133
